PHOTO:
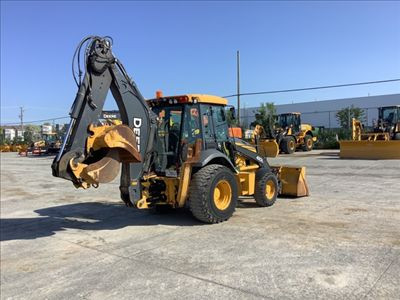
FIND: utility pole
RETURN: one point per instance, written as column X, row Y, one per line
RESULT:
column 238, row 85
column 244, row 115
column 21, row 117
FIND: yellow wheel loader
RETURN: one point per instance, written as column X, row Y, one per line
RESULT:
column 5, row 148
column 173, row 150
column 382, row 143
column 50, row 144
column 292, row 134
column 13, row 148
column 287, row 135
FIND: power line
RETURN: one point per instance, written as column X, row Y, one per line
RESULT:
column 36, row 121
column 312, row 88
column 251, row 94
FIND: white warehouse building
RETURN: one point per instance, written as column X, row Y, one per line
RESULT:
column 322, row 113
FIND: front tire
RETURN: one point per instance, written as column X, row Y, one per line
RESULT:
column 308, row 143
column 213, row 194
column 266, row 190
column 288, row 144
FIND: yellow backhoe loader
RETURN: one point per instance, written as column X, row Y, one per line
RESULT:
column 382, row 143
column 173, row 150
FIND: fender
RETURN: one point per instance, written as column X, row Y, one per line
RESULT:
column 210, row 155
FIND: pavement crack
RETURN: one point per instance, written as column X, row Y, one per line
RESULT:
column 168, row 269
column 380, row 277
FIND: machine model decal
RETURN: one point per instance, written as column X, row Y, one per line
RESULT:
column 137, row 124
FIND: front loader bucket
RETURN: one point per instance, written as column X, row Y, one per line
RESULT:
column 109, row 146
column 370, row 149
column 293, row 180
column 268, row 148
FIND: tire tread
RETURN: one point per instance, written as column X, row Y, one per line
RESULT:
column 199, row 191
column 259, row 194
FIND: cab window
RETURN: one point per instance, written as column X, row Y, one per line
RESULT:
column 220, row 123
column 191, row 129
column 168, row 135
column 207, row 125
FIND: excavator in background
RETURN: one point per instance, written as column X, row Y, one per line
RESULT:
column 286, row 135
column 382, row 143
column 173, row 150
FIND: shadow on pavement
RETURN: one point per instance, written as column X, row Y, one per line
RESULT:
column 329, row 154
column 88, row 216
column 335, row 154
column 340, row 158
column 51, row 155
column 247, row 204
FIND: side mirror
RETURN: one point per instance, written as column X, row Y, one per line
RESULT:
column 233, row 113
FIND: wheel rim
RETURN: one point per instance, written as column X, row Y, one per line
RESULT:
column 309, row 143
column 222, row 194
column 291, row 145
column 270, row 189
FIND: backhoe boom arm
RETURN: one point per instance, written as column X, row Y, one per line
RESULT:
column 103, row 72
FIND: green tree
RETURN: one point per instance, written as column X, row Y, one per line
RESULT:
column 345, row 115
column 31, row 133
column 265, row 115
column 2, row 136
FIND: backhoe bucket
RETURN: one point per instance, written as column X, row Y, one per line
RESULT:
column 268, row 148
column 370, row 149
column 110, row 145
column 119, row 137
column 293, row 180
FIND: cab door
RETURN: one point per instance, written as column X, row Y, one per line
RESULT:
column 214, row 126
column 220, row 124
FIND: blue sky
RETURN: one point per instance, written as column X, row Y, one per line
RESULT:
column 190, row 47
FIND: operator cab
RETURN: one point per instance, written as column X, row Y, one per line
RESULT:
column 390, row 114
column 181, row 122
column 287, row 120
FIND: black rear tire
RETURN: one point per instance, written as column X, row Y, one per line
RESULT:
column 308, row 143
column 266, row 190
column 288, row 144
column 396, row 136
column 204, row 192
